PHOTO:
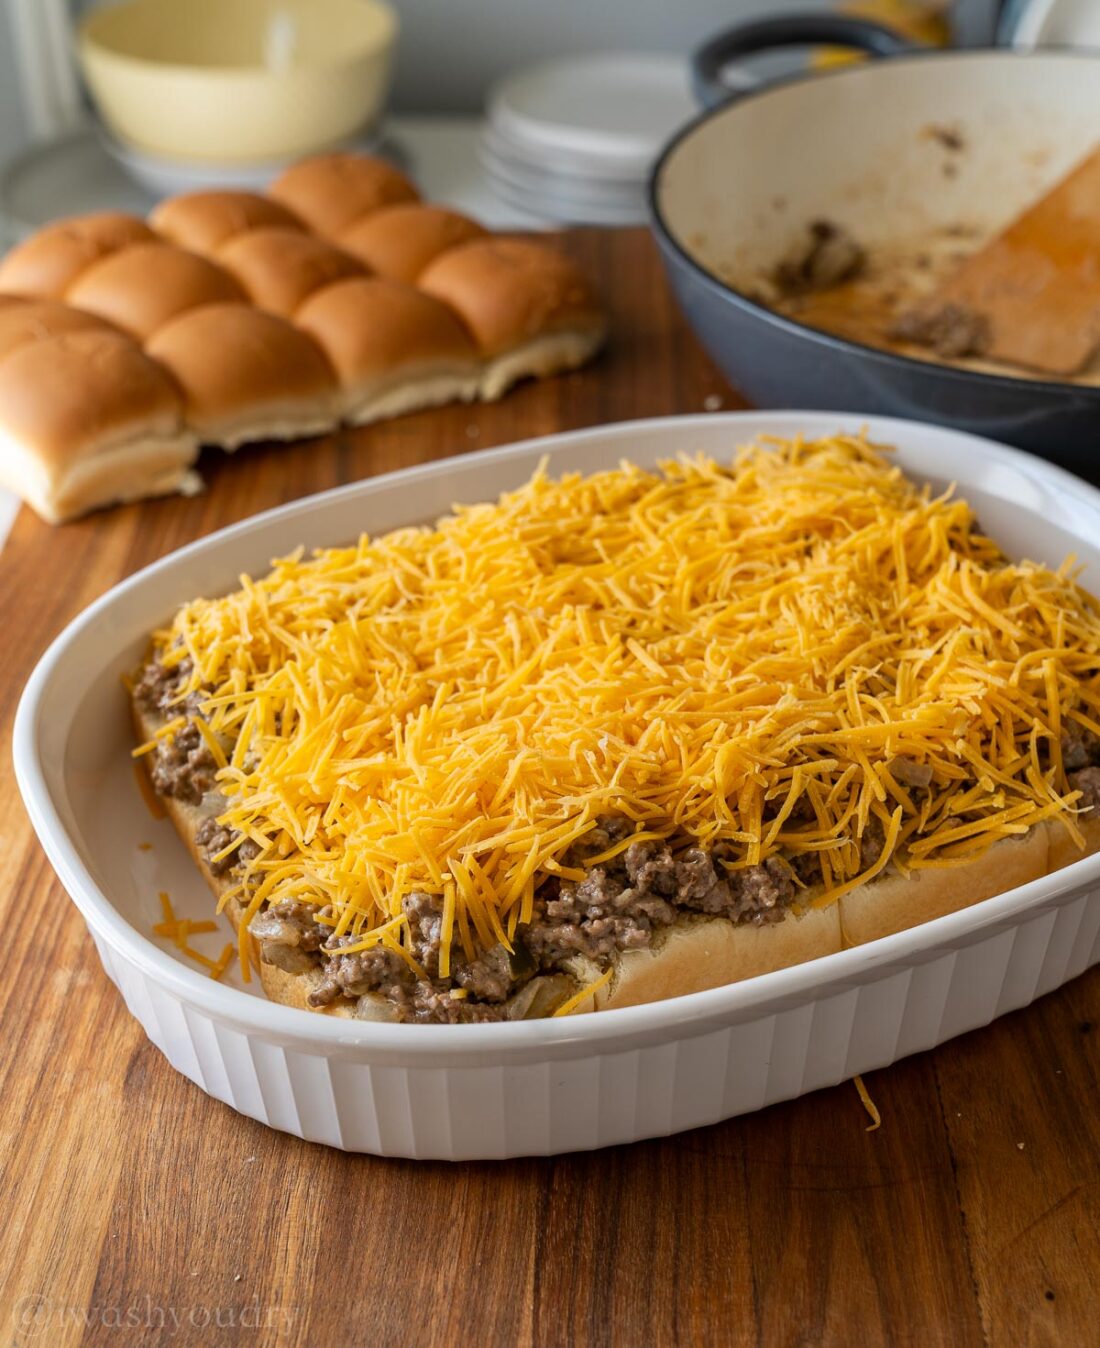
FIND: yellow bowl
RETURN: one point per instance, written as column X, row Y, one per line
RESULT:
column 234, row 81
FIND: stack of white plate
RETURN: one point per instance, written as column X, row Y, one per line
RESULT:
column 1050, row 23
column 573, row 140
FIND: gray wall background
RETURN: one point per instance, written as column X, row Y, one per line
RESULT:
column 12, row 128
column 451, row 50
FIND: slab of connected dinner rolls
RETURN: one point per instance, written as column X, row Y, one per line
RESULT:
column 203, row 221
column 329, row 191
column 25, row 321
column 87, row 419
column 141, row 287
column 280, row 268
column 393, row 347
column 484, row 313
column 46, row 264
column 246, row 375
column 399, row 242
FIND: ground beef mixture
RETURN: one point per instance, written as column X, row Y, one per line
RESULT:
column 952, row 331
column 183, row 766
column 1081, row 761
column 485, row 983
column 1080, row 748
column 619, row 905
column 213, row 838
column 290, row 935
column 910, row 773
column 622, row 903
column 871, row 843
column 828, row 257
column 159, row 686
column 1087, row 781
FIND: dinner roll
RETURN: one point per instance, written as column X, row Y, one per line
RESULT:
column 47, row 263
column 528, row 307
column 246, row 375
column 279, row 268
column 203, row 221
column 86, row 419
column 394, row 348
column 329, row 191
column 400, row 241
column 35, row 320
column 145, row 285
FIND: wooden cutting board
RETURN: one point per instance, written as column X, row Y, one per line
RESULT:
column 130, row 1198
column 1037, row 283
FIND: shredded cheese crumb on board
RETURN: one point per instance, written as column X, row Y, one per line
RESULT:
column 868, row 1104
column 719, row 653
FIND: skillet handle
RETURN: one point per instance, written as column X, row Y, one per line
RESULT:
column 786, row 30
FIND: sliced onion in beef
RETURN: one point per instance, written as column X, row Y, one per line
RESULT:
column 286, row 957
column 540, row 997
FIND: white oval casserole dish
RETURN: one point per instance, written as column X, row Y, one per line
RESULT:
column 541, row 1087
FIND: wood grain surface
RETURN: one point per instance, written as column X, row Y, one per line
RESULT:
column 137, row 1210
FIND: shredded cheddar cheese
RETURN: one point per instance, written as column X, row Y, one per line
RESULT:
column 570, row 1005
column 178, row 929
column 868, row 1104
column 719, row 653
column 223, row 961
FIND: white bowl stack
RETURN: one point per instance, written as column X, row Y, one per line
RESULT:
column 573, row 140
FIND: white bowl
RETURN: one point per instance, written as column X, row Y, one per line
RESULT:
column 541, row 1087
column 240, row 81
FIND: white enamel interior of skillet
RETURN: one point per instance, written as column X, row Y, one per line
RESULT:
column 858, row 147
